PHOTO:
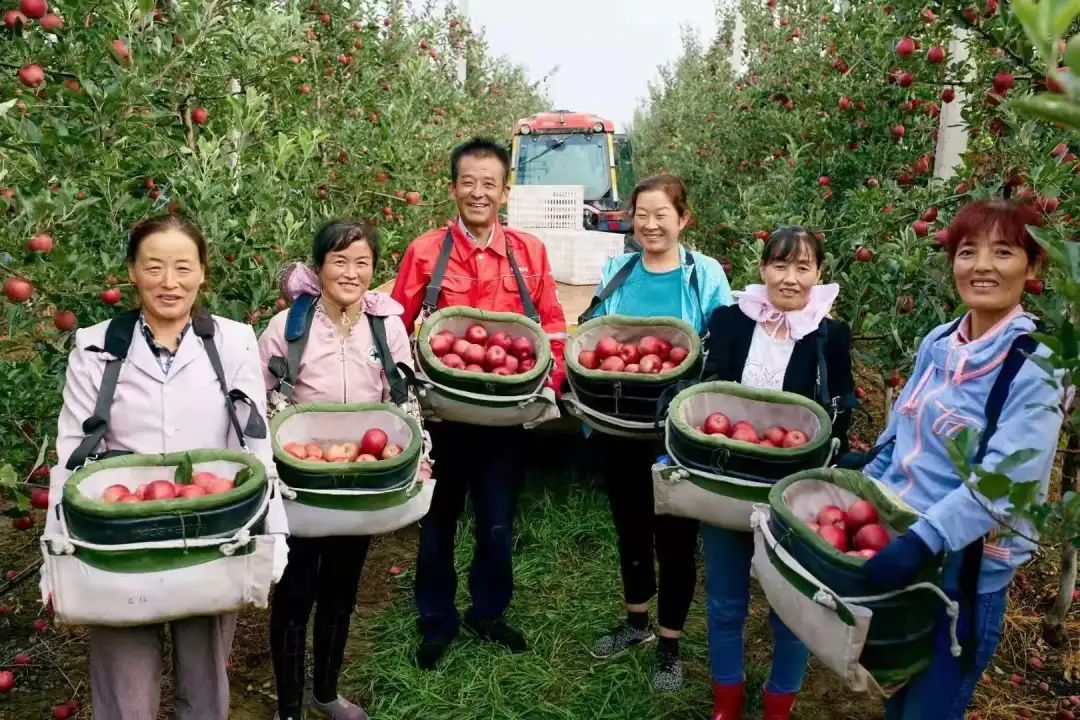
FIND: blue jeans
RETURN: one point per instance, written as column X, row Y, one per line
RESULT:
column 944, row 689
column 486, row 464
column 727, row 584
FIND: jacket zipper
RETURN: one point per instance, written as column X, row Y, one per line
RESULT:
column 344, row 379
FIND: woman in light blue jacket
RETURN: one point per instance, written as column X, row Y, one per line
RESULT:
column 956, row 386
column 666, row 281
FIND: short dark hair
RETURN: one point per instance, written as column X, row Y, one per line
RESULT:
column 160, row 223
column 670, row 185
column 480, row 147
column 337, row 235
column 1009, row 218
column 788, row 242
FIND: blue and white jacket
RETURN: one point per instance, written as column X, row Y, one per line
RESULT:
column 712, row 280
column 946, row 393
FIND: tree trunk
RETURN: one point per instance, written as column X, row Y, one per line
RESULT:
column 1054, row 620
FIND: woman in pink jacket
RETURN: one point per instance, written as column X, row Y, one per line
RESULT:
column 340, row 365
column 168, row 399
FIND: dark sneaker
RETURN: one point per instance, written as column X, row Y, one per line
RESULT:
column 623, row 637
column 431, row 650
column 667, row 673
column 498, row 632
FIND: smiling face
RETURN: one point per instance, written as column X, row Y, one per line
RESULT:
column 167, row 274
column 346, row 274
column 789, row 279
column 657, row 224
column 990, row 272
column 480, row 189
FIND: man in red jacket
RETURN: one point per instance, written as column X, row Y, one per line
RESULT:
column 484, row 462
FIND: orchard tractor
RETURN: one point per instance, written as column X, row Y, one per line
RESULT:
column 570, row 148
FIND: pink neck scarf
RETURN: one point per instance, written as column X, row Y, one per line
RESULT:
column 754, row 302
column 299, row 279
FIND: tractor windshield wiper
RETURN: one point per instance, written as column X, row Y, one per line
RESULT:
column 554, row 146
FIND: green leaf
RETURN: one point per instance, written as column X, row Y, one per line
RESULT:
column 242, row 477
column 41, row 453
column 1027, row 12
column 1064, row 12
column 961, row 448
column 992, row 485
column 1015, row 459
column 5, row 106
column 1051, row 108
column 1023, row 495
column 183, row 471
column 7, row 476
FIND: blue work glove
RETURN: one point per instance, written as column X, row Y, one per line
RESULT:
column 897, row 564
column 663, row 460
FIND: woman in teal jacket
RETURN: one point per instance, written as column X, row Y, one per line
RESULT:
column 667, row 280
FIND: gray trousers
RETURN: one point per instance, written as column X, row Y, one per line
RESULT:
column 125, row 669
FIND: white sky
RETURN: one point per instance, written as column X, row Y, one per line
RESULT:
column 606, row 51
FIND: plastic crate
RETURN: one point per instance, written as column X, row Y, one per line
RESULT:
column 557, row 207
column 577, row 256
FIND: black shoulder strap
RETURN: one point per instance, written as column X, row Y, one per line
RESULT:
column 297, row 329
column 398, row 381
column 823, row 395
column 527, row 303
column 431, row 294
column 118, row 337
column 605, row 292
column 202, row 324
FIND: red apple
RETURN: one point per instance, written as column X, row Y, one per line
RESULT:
column 34, row 8
column 905, row 47
column 1003, row 82
column 745, row 432
column 203, row 479
column 111, row 296
column 7, row 681
column 948, row 95
column 767, row 443
column 649, row 345
column 160, row 490
column 832, row 515
column 664, row 350
column 607, row 347
column 717, row 423
column 864, row 254
column 503, row 370
column 512, row 364
column 474, row 368
column 39, row 499
column 219, row 485
column 871, row 537
column 366, row 457
column 494, row 357
column 527, row 364
column 199, row 116
column 632, row 368
column 794, row 439
column 17, row 289
column 314, row 452
column 31, row 75
column 114, row 493
column 453, row 360
column 678, row 354
column 775, row 435
column 650, row 364
column 140, row 492
column 14, row 20
column 65, row 320
column 500, row 339
column 861, row 513
column 667, row 365
column 51, row 23
column 459, row 346
column 40, row 243
column 477, row 334
column 190, row 491
column 373, row 442
column 474, row 355
column 629, row 353
column 521, row 348
column 834, row 536
column 340, row 453
column 295, row 449
column 613, row 363
column 390, row 451
column 440, row 344
column 935, row 55
column 587, row 359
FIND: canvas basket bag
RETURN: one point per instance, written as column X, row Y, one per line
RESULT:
column 718, row 480
column 158, row 561
column 484, row 399
column 874, row 641
column 323, row 499
column 627, row 404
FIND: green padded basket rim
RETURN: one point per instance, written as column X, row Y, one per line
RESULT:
column 750, row 393
column 666, row 376
column 408, row 454
column 900, row 516
column 102, row 509
column 428, row 360
column 373, row 502
column 154, row 560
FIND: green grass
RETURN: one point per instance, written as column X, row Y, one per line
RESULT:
column 567, row 593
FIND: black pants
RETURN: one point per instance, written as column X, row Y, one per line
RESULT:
column 324, row 572
column 487, row 464
column 644, row 536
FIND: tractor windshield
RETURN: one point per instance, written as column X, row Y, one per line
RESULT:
column 574, row 159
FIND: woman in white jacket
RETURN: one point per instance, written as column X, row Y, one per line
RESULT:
column 168, row 399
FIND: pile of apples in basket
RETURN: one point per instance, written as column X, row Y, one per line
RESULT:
column 718, row 423
column 202, row 483
column 374, row 445
column 855, row 531
column 648, row 356
column 482, row 352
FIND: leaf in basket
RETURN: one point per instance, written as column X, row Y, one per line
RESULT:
column 992, row 485
column 183, row 471
column 242, row 477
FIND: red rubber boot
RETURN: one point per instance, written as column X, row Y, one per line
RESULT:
column 777, row 705
column 727, row 701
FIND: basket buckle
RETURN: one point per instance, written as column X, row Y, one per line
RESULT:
column 720, row 458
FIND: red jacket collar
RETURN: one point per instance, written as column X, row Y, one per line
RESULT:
column 464, row 247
